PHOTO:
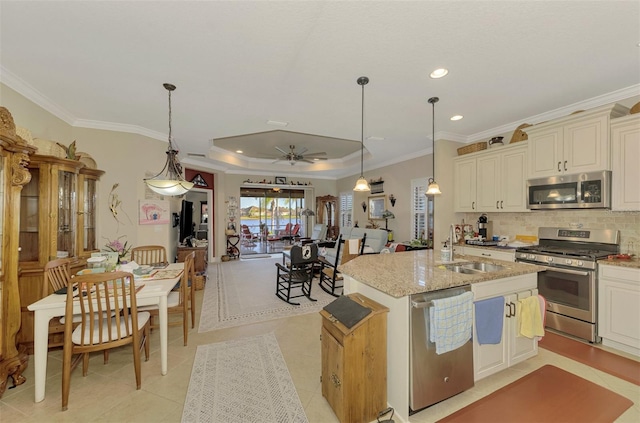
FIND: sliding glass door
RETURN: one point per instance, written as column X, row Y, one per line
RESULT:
column 267, row 212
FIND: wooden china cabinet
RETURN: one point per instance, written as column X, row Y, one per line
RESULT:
column 48, row 230
column 14, row 158
column 326, row 211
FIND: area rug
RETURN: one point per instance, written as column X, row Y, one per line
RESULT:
column 548, row 394
column 242, row 381
column 614, row 364
column 244, row 292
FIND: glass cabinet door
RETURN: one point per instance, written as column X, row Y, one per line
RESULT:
column 29, row 218
column 66, row 213
column 2, row 197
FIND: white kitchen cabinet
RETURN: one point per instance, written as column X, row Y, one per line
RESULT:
column 572, row 144
column 625, row 150
column 618, row 312
column 489, row 359
column 464, row 184
column 502, row 178
column 509, row 255
column 491, row 181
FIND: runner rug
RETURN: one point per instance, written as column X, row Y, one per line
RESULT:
column 595, row 357
column 242, row 381
column 548, row 394
column 244, row 292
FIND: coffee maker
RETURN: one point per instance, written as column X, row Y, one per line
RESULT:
column 485, row 228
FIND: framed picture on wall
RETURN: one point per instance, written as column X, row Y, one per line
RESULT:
column 281, row 180
column 377, row 205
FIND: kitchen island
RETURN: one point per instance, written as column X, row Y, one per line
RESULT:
column 390, row 279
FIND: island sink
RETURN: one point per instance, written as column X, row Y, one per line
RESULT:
column 474, row 267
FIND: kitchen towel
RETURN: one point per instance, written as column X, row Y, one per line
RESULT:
column 450, row 322
column 489, row 320
column 529, row 318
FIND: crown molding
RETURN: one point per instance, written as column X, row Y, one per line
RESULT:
column 120, row 127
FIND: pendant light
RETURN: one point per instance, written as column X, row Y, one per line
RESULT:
column 433, row 188
column 169, row 181
column 362, row 184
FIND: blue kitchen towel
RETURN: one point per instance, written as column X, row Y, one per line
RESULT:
column 450, row 322
column 489, row 320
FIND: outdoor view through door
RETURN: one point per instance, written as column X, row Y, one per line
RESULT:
column 271, row 219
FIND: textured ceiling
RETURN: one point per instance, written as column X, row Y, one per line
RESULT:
column 239, row 64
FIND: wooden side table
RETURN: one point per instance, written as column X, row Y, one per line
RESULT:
column 200, row 263
column 354, row 363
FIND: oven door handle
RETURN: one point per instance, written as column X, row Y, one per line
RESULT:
column 572, row 272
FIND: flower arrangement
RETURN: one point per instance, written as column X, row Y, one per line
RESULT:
column 117, row 246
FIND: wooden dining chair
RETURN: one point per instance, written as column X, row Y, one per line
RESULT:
column 110, row 319
column 57, row 274
column 178, row 301
column 149, row 255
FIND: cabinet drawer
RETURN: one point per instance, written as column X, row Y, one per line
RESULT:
column 616, row 272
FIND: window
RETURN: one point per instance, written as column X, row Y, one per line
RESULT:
column 421, row 210
column 346, row 208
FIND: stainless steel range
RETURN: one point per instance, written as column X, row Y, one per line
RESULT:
column 570, row 283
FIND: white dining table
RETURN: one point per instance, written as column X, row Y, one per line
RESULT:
column 154, row 292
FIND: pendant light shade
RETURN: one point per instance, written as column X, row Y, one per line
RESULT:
column 434, row 188
column 362, row 185
column 169, row 180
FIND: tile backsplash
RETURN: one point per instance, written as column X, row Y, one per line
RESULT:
column 512, row 224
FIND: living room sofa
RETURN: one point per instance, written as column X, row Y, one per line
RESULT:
column 375, row 242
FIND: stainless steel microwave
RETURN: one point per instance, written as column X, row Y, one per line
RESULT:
column 579, row 191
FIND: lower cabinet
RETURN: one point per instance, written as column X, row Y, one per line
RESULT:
column 618, row 313
column 492, row 358
column 354, row 364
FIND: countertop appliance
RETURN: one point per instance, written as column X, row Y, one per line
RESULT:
column 434, row 377
column 569, row 284
column 580, row 191
column 485, row 228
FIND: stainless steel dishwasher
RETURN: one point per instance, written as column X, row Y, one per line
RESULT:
column 435, row 377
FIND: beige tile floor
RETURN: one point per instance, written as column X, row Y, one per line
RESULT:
column 108, row 393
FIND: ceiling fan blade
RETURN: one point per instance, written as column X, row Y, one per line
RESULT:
column 301, row 152
column 286, row 153
column 306, row 161
column 322, row 153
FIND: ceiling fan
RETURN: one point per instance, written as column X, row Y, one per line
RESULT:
column 292, row 156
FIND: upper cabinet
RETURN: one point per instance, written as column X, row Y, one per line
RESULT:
column 491, row 181
column 573, row 144
column 625, row 150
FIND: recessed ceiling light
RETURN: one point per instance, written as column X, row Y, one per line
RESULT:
column 315, row 160
column 276, row 123
column 239, row 151
column 439, row 73
column 456, row 117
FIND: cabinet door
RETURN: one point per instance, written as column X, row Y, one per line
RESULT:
column 489, row 183
column 513, row 197
column 333, row 374
column 520, row 347
column 586, row 146
column 464, row 174
column 618, row 314
column 625, row 140
column 491, row 358
column 545, row 153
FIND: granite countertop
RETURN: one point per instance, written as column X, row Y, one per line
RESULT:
column 633, row 262
column 414, row 272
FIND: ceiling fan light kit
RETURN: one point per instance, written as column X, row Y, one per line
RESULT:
column 292, row 156
column 433, row 188
column 169, row 180
column 361, row 184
